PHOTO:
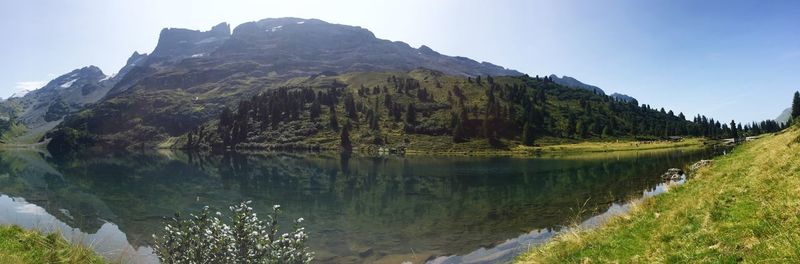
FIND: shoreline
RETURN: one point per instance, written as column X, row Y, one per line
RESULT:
column 563, row 149
column 576, row 149
column 741, row 207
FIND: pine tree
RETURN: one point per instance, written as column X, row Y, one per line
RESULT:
column 225, row 122
column 459, row 133
column 796, row 105
column 316, row 109
column 347, row 146
column 527, row 134
column 372, row 118
column 350, row 106
column 580, row 129
column 411, row 114
column 334, row 122
column 734, row 131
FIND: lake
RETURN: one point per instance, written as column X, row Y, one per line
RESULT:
column 358, row 209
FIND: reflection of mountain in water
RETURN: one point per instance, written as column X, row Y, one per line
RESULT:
column 357, row 209
column 26, row 174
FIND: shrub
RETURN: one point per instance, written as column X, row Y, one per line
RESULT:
column 205, row 238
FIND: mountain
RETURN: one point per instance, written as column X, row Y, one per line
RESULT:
column 624, row 98
column 306, row 84
column 191, row 75
column 574, row 83
column 42, row 109
column 283, row 48
column 301, row 47
column 784, row 116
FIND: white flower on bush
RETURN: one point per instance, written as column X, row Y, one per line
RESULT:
column 205, row 238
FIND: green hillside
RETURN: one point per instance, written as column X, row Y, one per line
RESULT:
column 421, row 110
column 425, row 110
column 744, row 208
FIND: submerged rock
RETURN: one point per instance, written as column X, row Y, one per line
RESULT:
column 672, row 174
column 700, row 164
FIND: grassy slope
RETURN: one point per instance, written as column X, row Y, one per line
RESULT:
column 436, row 146
column 21, row 246
column 745, row 207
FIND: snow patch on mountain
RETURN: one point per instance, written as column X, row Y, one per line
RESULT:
column 68, row 84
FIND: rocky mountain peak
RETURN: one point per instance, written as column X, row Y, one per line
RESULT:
column 181, row 43
column 135, row 58
column 222, row 29
column 78, row 76
column 427, row 50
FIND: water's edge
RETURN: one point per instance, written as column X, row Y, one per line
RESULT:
column 508, row 250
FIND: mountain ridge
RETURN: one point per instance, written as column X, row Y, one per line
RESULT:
column 575, row 83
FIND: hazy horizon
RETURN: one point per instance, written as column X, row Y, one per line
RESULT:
column 721, row 59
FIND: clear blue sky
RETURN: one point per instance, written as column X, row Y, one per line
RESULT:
column 726, row 59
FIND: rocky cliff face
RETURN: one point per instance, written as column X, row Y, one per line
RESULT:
column 300, row 46
column 180, row 43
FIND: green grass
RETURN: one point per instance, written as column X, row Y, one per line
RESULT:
column 22, row 246
column 433, row 145
column 743, row 208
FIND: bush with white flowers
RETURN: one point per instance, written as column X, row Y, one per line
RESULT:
column 205, row 238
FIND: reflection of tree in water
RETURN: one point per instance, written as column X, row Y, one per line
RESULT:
column 442, row 205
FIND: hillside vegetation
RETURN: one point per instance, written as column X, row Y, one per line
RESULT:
column 743, row 208
column 425, row 110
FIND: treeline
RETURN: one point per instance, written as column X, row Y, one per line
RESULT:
column 497, row 109
column 263, row 112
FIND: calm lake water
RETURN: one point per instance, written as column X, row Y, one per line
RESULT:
column 357, row 210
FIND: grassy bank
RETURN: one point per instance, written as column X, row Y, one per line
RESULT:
column 22, row 246
column 745, row 207
column 482, row 148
